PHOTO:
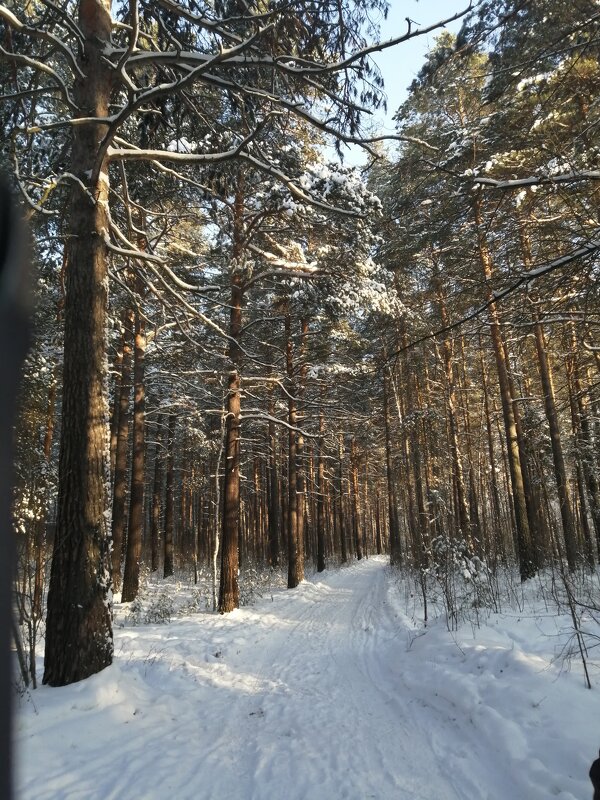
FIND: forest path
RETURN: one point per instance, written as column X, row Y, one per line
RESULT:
column 327, row 691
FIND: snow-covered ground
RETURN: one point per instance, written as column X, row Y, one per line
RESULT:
column 334, row 690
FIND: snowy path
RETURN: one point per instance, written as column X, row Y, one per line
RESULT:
column 318, row 693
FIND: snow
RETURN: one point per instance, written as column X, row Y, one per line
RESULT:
column 333, row 690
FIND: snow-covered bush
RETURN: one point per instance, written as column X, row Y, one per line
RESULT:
column 160, row 609
column 463, row 578
column 259, row 582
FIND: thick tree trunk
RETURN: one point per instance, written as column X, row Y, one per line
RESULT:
column 79, row 639
column 131, row 577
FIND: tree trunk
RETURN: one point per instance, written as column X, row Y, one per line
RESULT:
column 395, row 547
column 295, row 560
column 356, row 515
column 584, row 438
column 321, row 498
column 558, row 460
column 79, row 638
column 300, row 466
column 131, row 577
column 115, row 414
column 229, row 592
column 168, row 565
column 273, row 487
column 378, row 536
column 457, row 471
column 121, row 453
column 496, row 526
column 156, row 504
column 523, row 532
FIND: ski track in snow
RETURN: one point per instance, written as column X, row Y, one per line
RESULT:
column 313, row 694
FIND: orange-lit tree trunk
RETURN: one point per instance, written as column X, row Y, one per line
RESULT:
column 131, row 577
column 79, row 639
column 168, row 564
column 119, row 517
column 295, row 544
column 321, row 497
column 393, row 521
column 229, row 592
column 523, row 531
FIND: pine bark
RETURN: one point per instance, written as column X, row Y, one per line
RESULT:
column 523, row 532
column 131, row 577
column 273, row 511
column 584, row 438
column 295, row 560
column 156, row 505
column 394, row 526
column 321, row 498
column 119, row 517
column 229, row 593
column 79, row 639
column 356, row 515
column 558, row 459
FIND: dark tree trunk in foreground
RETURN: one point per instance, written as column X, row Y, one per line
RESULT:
column 79, row 639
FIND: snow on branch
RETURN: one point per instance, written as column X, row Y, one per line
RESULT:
column 537, row 180
column 591, row 248
column 39, row 33
column 39, row 66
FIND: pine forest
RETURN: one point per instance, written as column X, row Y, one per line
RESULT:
column 290, row 367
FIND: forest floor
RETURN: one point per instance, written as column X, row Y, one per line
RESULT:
column 334, row 690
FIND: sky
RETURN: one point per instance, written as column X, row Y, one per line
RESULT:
column 400, row 65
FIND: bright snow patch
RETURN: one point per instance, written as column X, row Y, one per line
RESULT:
column 334, row 690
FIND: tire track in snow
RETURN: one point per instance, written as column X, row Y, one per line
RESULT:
column 351, row 741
